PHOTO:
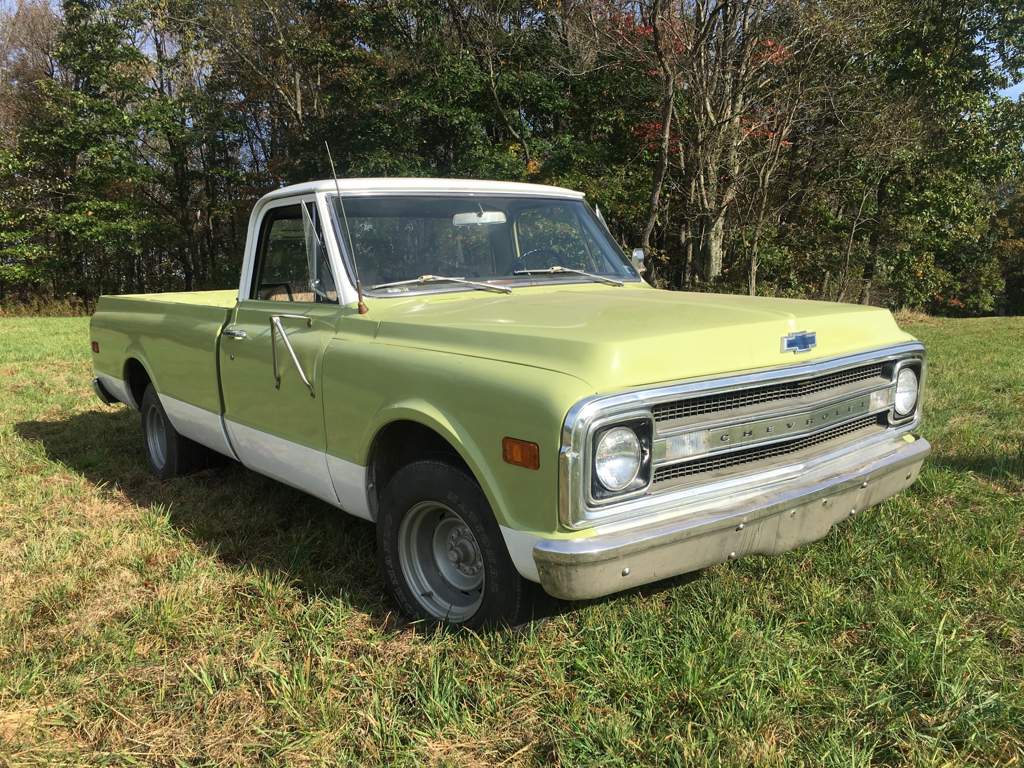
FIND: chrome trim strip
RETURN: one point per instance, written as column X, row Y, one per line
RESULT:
column 574, row 511
column 809, row 431
column 769, row 410
column 369, row 191
column 764, row 470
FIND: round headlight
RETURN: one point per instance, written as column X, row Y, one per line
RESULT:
column 906, row 392
column 617, row 458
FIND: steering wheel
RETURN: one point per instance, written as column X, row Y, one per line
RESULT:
column 539, row 258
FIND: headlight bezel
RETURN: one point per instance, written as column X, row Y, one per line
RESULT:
column 915, row 366
column 642, row 425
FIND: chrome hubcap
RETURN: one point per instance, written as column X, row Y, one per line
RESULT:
column 441, row 561
column 156, row 437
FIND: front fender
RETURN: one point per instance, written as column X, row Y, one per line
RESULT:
column 448, row 426
column 471, row 402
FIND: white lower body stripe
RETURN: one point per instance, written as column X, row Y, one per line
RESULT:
column 117, row 388
column 290, row 463
column 520, row 549
column 349, row 482
column 197, row 424
column 336, row 481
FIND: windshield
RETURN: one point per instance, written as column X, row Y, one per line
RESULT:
column 485, row 238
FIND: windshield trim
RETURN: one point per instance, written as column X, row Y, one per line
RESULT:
column 454, row 193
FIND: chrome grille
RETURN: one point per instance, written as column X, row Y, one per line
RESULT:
column 763, row 453
column 724, row 401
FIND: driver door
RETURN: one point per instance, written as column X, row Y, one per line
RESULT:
column 271, row 353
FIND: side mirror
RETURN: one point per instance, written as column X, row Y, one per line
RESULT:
column 637, row 258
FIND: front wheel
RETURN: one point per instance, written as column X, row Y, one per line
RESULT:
column 440, row 551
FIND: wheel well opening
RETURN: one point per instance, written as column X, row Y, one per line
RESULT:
column 401, row 443
column 136, row 379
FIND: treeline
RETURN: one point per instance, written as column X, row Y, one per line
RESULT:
column 853, row 150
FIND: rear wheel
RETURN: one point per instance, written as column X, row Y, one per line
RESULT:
column 440, row 550
column 169, row 454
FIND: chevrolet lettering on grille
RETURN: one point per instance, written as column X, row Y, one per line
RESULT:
column 785, row 426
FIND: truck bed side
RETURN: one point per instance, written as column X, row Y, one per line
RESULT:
column 173, row 337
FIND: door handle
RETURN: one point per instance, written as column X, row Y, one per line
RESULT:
column 234, row 333
column 277, row 328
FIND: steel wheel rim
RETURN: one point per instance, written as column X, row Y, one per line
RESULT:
column 156, row 437
column 441, row 561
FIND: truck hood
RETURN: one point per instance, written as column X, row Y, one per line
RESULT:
column 614, row 338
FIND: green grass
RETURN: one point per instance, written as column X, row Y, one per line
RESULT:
column 223, row 618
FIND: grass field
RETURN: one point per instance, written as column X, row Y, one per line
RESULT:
column 223, row 618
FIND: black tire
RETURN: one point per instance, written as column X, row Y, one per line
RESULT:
column 168, row 453
column 425, row 489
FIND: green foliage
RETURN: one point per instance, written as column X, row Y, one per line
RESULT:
column 148, row 130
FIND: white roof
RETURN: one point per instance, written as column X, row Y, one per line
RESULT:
column 424, row 186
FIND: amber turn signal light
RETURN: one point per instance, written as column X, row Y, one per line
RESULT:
column 522, row 453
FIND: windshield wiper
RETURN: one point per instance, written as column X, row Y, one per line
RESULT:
column 558, row 270
column 424, row 279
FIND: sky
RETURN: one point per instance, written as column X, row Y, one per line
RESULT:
column 1014, row 91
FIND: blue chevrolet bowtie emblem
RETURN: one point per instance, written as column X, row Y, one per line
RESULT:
column 799, row 341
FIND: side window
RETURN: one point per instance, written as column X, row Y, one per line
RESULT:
column 291, row 259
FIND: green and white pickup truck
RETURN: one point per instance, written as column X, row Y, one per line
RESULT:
column 478, row 369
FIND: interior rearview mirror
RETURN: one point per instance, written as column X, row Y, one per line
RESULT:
column 470, row 218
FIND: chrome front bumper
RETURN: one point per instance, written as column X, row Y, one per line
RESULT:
column 780, row 519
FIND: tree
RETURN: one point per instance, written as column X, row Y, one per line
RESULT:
column 845, row 150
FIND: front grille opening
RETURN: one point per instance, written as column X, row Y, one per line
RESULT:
column 724, row 401
column 751, row 455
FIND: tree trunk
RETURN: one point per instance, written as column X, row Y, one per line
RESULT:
column 752, row 280
column 755, row 246
column 661, row 170
column 667, row 109
column 711, row 247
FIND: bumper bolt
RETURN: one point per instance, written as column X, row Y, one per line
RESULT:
column 625, row 571
column 864, row 484
column 732, row 555
column 741, row 526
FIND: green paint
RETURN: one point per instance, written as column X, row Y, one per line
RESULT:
column 473, row 366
